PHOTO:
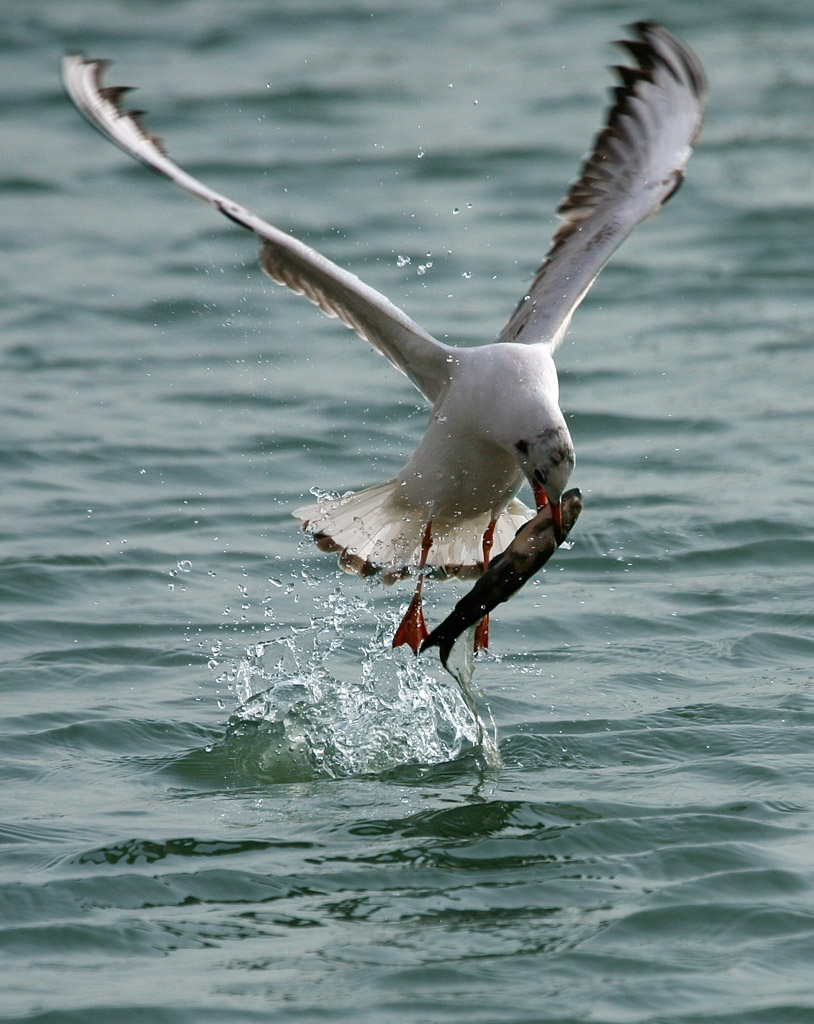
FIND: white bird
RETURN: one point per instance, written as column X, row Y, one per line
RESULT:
column 495, row 414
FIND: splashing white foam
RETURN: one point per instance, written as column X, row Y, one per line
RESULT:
column 320, row 702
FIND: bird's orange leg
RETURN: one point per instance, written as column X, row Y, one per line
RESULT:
column 482, row 629
column 413, row 629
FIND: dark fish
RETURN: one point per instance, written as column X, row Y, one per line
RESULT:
column 533, row 545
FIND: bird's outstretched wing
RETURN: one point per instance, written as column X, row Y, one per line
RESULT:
column 637, row 163
column 286, row 260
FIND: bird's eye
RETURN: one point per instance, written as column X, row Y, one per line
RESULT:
column 539, row 476
column 522, row 447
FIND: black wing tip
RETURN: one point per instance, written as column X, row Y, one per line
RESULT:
column 109, row 94
column 653, row 50
column 115, row 92
column 646, row 52
column 98, row 65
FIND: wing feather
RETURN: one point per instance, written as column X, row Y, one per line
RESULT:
column 284, row 258
column 636, row 165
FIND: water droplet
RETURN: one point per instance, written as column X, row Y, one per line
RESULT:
column 420, row 153
column 184, row 565
column 455, row 211
column 402, row 261
column 467, row 274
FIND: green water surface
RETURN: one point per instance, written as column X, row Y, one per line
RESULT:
column 645, row 854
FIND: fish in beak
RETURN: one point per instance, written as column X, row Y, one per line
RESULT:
column 533, row 545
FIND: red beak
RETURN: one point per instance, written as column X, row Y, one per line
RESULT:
column 541, row 498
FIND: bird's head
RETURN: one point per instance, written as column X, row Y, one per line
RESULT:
column 547, row 460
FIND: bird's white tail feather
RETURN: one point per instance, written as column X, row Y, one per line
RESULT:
column 374, row 531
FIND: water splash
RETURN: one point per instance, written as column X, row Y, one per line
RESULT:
column 461, row 666
column 321, row 701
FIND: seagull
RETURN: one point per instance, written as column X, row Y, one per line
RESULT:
column 495, row 419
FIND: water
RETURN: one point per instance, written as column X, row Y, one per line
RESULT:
column 222, row 799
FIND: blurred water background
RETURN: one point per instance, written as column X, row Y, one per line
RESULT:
column 221, row 797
